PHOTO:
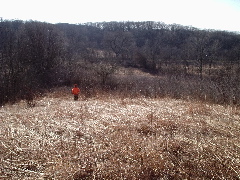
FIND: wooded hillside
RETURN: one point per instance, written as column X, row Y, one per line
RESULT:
column 35, row 56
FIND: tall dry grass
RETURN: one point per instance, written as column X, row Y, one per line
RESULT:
column 112, row 137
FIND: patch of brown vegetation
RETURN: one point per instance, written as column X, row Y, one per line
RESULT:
column 118, row 138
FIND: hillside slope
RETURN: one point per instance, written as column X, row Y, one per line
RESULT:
column 118, row 138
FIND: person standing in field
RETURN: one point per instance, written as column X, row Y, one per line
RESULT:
column 75, row 92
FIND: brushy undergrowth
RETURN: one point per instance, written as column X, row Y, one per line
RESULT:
column 112, row 137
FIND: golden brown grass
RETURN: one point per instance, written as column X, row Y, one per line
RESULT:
column 110, row 137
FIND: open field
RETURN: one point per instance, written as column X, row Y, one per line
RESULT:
column 111, row 137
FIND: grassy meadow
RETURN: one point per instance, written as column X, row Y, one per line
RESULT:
column 111, row 137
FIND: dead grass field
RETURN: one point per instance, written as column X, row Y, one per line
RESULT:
column 111, row 137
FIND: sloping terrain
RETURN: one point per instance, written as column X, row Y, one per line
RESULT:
column 111, row 137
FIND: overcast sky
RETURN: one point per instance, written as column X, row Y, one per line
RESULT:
column 203, row 14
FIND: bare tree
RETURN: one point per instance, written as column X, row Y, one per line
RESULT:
column 10, row 68
column 42, row 45
column 120, row 43
column 104, row 71
column 199, row 44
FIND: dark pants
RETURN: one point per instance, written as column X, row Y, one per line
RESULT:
column 75, row 97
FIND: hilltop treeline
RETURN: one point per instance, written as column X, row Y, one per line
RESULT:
column 38, row 55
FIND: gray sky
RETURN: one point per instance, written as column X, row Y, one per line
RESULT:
column 204, row 14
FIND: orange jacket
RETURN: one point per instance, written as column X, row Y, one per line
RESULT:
column 75, row 91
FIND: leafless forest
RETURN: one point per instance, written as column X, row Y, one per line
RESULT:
column 199, row 64
column 157, row 101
